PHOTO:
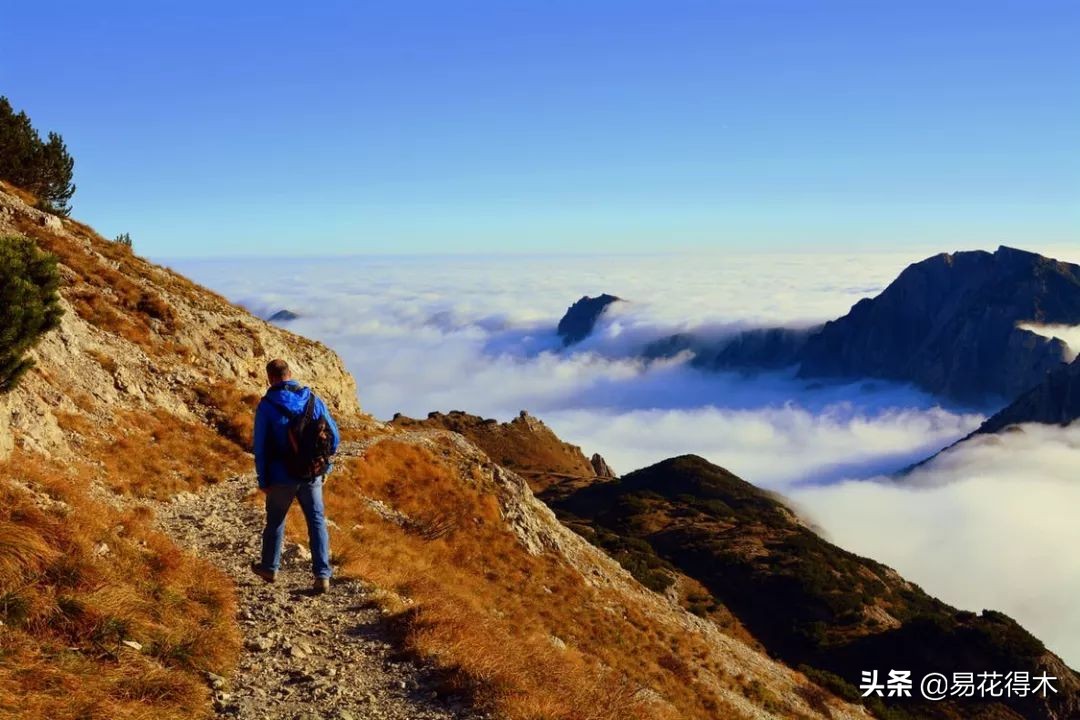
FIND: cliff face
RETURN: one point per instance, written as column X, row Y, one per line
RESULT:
column 949, row 325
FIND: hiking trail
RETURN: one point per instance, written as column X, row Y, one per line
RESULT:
column 304, row 656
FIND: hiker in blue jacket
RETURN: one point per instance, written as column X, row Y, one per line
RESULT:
column 275, row 438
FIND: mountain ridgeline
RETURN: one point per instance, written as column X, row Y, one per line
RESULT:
column 950, row 324
column 739, row 556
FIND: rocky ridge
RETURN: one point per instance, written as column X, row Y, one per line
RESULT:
column 950, row 324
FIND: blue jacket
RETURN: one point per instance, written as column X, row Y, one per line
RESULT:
column 271, row 423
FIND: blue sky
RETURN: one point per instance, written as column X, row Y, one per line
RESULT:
column 356, row 127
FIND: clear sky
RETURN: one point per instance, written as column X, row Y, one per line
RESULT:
column 463, row 126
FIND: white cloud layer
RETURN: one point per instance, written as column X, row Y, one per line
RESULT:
column 990, row 524
column 478, row 334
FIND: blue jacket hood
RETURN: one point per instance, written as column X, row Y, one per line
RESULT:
column 289, row 396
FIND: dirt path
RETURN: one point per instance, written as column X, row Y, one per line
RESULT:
column 305, row 657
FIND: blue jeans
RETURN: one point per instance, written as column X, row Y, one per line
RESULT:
column 278, row 500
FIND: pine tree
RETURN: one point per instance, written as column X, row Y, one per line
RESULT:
column 55, row 168
column 29, row 304
column 19, row 144
column 44, row 169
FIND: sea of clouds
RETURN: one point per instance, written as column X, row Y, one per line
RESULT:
column 991, row 525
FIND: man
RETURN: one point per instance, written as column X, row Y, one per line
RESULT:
column 284, row 401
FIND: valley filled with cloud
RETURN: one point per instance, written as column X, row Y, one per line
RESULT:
column 985, row 526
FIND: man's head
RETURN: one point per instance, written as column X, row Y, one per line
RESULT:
column 277, row 371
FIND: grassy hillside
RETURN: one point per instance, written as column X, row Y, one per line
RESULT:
column 145, row 391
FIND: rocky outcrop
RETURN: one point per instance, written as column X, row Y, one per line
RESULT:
column 581, row 317
column 525, row 445
column 949, row 325
column 600, row 466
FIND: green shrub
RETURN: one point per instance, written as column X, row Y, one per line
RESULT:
column 29, row 304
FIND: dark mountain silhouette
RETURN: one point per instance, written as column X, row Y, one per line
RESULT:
column 948, row 324
column 1054, row 401
column 581, row 317
column 283, row 316
column 763, row 349
column 806, row 600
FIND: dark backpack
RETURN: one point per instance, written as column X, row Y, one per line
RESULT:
column 309, row 444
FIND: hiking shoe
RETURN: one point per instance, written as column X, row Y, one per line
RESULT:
column 267, row 575
column 321, row 585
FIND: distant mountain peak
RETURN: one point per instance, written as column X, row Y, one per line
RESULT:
column 949, row 325
column 581, row 317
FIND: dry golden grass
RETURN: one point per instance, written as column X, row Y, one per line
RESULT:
column 229, row 410
column 27, row 197
column 155, row 454
column 107, row 297
column 491, row 615
column 77, row 578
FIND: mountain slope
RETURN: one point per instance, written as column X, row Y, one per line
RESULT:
column 1054, row 401
column 808, row 601
column 737, row 555
column 143, row 397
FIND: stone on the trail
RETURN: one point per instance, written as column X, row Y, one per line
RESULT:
column 295, row 552
column 262, row 644
column 216, row 681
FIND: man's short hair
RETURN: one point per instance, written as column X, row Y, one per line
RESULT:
column 278, row 370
